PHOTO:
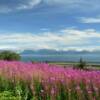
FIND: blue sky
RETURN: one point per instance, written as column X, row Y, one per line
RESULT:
column 50, row 24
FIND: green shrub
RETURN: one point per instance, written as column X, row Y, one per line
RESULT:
column 9, row 56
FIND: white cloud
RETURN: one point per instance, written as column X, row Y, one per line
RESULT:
column 12, row 5
column 29, row 5
column 62, row 40
column 5, row 9
column 77, row 5
column 90, row 20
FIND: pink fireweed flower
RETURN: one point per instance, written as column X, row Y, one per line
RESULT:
column 50, row 76
column 53, row 91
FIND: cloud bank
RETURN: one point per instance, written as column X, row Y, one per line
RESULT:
column 90, row 20
column 64, row 39
column 80, row 5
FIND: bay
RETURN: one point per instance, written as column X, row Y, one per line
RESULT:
column 93, row 58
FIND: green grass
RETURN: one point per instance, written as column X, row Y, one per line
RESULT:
column 8, row 95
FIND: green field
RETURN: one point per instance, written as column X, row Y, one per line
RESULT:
column 67, row 64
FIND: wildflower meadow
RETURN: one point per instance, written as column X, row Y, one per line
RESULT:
column 42, row 81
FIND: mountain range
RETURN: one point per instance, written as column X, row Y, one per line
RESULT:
column 55, row 52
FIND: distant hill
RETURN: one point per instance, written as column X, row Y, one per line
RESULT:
column 54, row 52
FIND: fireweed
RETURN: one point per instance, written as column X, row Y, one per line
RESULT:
column 41, row 81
